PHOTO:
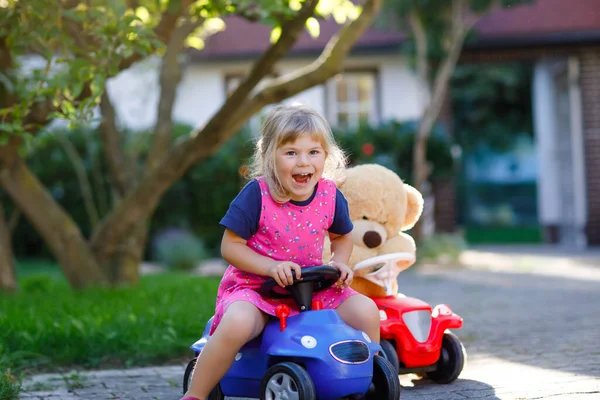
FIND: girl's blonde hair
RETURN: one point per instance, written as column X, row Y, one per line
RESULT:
column 284, row 124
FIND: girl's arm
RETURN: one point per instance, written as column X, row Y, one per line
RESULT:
column 341, row 247
column 235, row 252
column 341, row 250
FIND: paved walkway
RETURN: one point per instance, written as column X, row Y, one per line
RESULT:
column 531, row 332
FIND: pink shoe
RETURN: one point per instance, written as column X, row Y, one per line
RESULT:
column 189, row 398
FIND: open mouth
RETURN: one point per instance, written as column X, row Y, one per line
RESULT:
column 302, row 178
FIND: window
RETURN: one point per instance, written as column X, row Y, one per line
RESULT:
column 352, row 99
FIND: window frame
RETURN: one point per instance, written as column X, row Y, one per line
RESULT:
column 332, row 105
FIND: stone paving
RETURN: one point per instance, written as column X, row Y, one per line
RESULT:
column 531, row 331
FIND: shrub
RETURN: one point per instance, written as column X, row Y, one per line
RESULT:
column 179, row 249
column 442, row 248
column 391, row 145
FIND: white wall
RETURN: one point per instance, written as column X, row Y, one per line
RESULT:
column 202, row 90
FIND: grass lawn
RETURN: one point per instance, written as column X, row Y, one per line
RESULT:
column 48, row 327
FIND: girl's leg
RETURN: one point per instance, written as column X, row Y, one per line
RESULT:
column 360, row 312
column 241, row 323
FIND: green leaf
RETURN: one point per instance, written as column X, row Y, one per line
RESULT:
column 295, row 5
column 313, row 27
column 275, row 34
column 195, row 42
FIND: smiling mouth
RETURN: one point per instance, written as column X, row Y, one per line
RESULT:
column 302, row 178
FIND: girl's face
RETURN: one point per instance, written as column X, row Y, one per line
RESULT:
column 300, row 165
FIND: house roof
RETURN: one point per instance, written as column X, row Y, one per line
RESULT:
column 539, row 23
column 544, row 22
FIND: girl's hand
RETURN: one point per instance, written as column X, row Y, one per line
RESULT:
column 282, row 272
column 346, row 273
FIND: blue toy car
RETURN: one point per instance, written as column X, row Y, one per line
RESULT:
column 309, row 356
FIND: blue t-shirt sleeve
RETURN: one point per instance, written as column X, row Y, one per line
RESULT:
column 244, row 211
column 341, row 224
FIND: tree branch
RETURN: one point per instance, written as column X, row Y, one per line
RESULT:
column 170, row 76
column 82, row 178
column 118, row 163
column 290, row 33
column 323, row 68
column 163, row 30
column 458, row 31
column 142, row 202
column 13, row 220
column 421, row 43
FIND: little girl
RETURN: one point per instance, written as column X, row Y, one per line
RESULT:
column 275, row 227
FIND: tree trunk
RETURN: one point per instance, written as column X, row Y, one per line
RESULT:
column 459, row 29
column 8, row 277
column 123, row 267
column 58, row 230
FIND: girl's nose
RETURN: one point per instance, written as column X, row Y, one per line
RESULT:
column 303, row 159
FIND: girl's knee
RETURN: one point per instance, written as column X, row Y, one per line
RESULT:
column 368, row 309
column 241, row 322
column 360, row 310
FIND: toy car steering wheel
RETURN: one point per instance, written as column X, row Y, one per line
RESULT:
column 313, row 280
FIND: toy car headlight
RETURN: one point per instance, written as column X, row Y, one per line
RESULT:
column 367, row 338
column 441, row 309
column 308, row 342
column 382, row 315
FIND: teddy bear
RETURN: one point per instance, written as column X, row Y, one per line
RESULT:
column 381, row 207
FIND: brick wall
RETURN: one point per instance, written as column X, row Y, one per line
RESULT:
column 589, row 59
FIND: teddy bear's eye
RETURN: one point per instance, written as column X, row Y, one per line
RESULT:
column 365, row 217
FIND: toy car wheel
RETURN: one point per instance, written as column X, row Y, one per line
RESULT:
column 388, row 351
column 287, row 380
column 386, row 384
column 451, row 361
column 187, row 376
column 215, row 394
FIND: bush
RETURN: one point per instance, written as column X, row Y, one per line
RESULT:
column 391, row 145
column 179, row 249
column 442, row 248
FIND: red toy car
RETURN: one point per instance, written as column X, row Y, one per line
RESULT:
column 415, row 337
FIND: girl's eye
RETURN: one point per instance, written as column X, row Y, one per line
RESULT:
column 314, row 152
column 290, row 153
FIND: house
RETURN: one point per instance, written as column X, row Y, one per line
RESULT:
column 560, row 39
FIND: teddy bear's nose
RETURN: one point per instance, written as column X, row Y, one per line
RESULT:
column 372, row 239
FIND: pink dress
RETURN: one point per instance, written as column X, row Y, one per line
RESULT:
column 286, row 232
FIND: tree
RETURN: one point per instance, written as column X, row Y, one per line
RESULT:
column 438, row 29
column 85, row 42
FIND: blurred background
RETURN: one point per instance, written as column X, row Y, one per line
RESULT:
column 512, row 152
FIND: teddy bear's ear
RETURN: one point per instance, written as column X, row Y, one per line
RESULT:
column 414, row 207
